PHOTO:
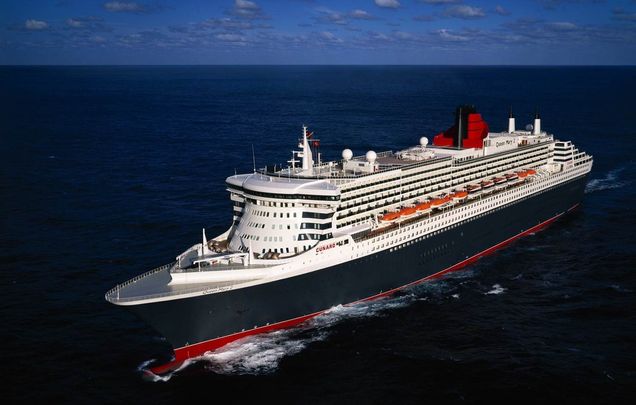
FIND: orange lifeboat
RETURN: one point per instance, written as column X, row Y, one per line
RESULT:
column 531, row 172
column 391, row 216
column 408, row 211
column 439, row 202
column 460, row 195
column 423, row 206
column 522, row 174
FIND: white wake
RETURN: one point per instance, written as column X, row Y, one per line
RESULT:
column 261, row 354
column 496, row 290
column 610, row 181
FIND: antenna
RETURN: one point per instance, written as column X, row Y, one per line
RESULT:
column 253, row 158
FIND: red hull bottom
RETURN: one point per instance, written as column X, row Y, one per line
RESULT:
column 184, row 353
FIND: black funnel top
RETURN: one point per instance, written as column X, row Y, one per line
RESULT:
column 461, row 121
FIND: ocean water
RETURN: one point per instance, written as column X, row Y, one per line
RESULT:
column 106, row 172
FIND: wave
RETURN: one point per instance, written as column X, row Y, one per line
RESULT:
column 610, row 181
column 144, row 369
column 259, row 354
column 496, row 290
column 262, row 354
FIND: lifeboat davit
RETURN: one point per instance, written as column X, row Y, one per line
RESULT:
column 487, row 186
column 512, row 178
column 500, row 183
column 474, row 190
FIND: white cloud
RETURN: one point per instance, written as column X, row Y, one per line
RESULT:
column 334, row 17
column 231, row 37
column 448, row 36
column 124, row 6
column 387, row 3
column 379, row 36
column 227, row 24
column 464, row 12
column 329, row 36
column 36, row 25
column 361, row 15
column 73, row 23
column 245, row 5
column 561, row 26
column 247, row 9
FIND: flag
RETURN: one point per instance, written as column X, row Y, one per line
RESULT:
column 316, row 143
column 309, row 134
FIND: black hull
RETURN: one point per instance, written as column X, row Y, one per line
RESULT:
column 190, row 321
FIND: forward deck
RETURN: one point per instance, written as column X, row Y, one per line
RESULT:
column 155, row 284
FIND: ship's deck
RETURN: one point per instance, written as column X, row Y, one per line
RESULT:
column 154, row 284
column 387, row 160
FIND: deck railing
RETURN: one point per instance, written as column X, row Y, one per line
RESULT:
column 113, row 294
column 206, row 289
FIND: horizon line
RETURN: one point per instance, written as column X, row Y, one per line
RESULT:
column 311, row 65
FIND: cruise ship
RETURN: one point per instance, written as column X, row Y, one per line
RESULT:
column 316, row 234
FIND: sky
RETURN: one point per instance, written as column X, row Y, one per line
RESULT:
column 258, row 32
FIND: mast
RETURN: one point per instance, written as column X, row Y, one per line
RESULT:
column 308, row 161
column 204, row 246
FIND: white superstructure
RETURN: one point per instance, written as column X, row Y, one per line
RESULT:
column 287, row 221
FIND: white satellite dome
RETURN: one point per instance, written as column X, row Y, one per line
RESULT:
column 347, row 154
column 424, row 141
column 371, row 156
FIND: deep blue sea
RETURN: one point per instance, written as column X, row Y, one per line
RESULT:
column 107, row 172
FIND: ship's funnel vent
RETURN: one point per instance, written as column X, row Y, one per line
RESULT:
column 468, row 131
